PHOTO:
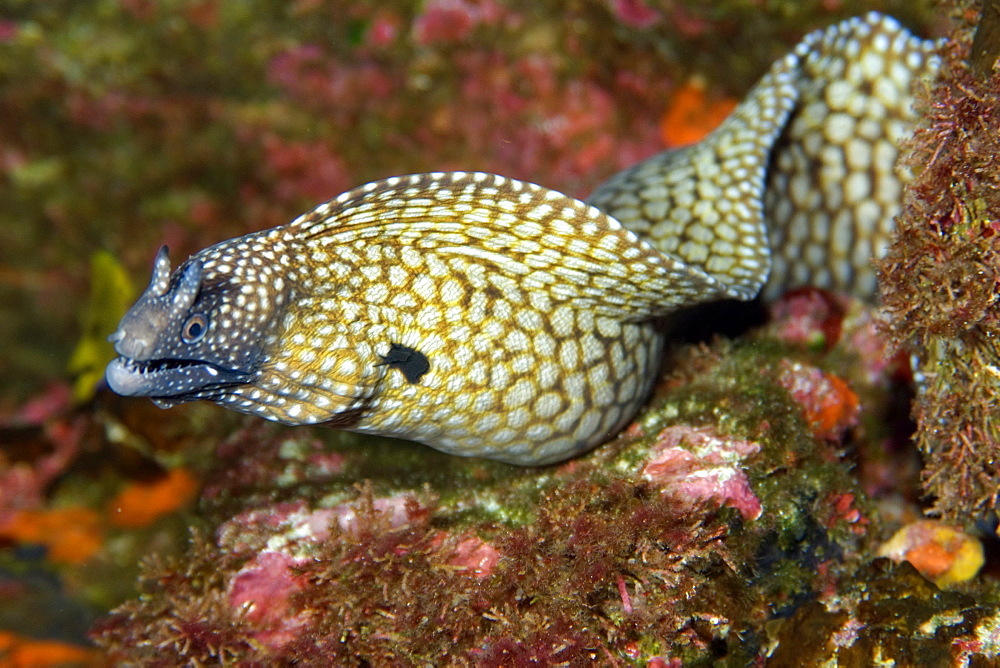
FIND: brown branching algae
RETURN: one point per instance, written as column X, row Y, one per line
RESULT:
column 941, row 283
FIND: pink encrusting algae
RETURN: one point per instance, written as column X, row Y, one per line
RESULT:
column 698, row 465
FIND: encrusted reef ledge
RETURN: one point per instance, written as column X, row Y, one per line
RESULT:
column 736, row 519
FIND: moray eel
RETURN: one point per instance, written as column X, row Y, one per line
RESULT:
column 489, row 317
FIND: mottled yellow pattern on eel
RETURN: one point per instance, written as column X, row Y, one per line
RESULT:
column 489, row 317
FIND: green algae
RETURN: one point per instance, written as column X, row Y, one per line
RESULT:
column 111, row 293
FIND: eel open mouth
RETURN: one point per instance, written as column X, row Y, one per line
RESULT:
column 168, row 377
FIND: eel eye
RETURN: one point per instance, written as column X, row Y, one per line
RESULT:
column 194, row 328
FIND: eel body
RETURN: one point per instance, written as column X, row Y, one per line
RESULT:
column 489, row 317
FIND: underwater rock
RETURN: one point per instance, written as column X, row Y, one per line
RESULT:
column 889, row 614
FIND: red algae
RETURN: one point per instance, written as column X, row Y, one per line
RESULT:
column 262, row 592
column 696, row 465
column 444, row 21
column 828, row 403
column 297, row 577
column 476, row 556
column 809, row 317
column 635, row 13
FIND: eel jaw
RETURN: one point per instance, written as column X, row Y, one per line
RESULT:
column 170, row 380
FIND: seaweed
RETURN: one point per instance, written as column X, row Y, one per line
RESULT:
column 940, row 280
